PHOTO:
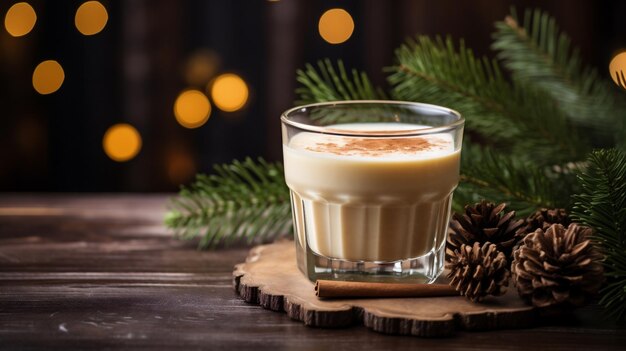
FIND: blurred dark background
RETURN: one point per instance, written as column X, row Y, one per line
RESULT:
column 133, row 70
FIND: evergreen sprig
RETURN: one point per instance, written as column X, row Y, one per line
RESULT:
column 486, row 174
column 327, row 83
column 435, row 71
column 510, row 117
column 539, row 53
column 243, row 201
column 601, row 204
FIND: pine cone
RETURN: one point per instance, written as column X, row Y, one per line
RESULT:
column 479, row 270
column 558, row 266
column 544, row 218
column 485, row 222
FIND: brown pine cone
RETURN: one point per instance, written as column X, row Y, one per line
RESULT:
column 484, row 222
column 479, row 270
column 544, row 218
column 557, row 266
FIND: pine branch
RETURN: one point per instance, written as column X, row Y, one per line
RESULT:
column 516, row 118
column 329, row 84
column 325, row 83
column 601, row 204
column 243, row 201
column 539, row 53
column 506, row 178
column 434, row 71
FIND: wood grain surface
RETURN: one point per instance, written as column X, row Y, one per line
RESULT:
column 270, row 278
column 101, row 272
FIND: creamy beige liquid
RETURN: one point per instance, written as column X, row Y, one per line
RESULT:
column 371, row 199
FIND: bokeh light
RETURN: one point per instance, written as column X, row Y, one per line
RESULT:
column 121, row 142
column 48, row 77
column 201, row 66
column 20, row 19
column 617, row 69
column 229, row 92
column 91, row 17
column 192, row 108
column 336, row 26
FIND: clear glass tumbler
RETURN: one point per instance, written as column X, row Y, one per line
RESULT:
column 371, row 188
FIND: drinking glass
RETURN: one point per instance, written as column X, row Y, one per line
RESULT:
column 371, row 186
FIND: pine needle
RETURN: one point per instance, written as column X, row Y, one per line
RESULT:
column 601, row 204
column 537, row 52
column 242, row 202
column 514, row 118
column 325, row 83
column 524, row 186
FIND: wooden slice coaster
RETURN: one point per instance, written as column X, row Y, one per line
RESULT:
column 270, row 278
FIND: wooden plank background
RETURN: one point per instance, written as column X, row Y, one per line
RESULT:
column 100, row 271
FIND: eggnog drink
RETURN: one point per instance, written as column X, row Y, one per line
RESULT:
column 372, row 199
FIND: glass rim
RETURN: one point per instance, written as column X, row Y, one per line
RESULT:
column 346, row 132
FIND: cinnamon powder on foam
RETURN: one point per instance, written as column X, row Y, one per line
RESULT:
column 378, row 147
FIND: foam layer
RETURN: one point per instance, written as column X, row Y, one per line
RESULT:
column 387, row 148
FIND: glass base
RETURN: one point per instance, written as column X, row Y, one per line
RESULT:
column 423, row 269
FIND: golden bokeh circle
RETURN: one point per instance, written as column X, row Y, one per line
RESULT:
column 48, row 77
column 229, row 92
column 617, row 69
column 336, row 26
column 192, row 108
column 20, row 19
column 91, row 18
column 121, row 142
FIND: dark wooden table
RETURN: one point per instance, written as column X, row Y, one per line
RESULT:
column 100, row 271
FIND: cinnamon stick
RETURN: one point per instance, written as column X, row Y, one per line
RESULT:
column 344, row 289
